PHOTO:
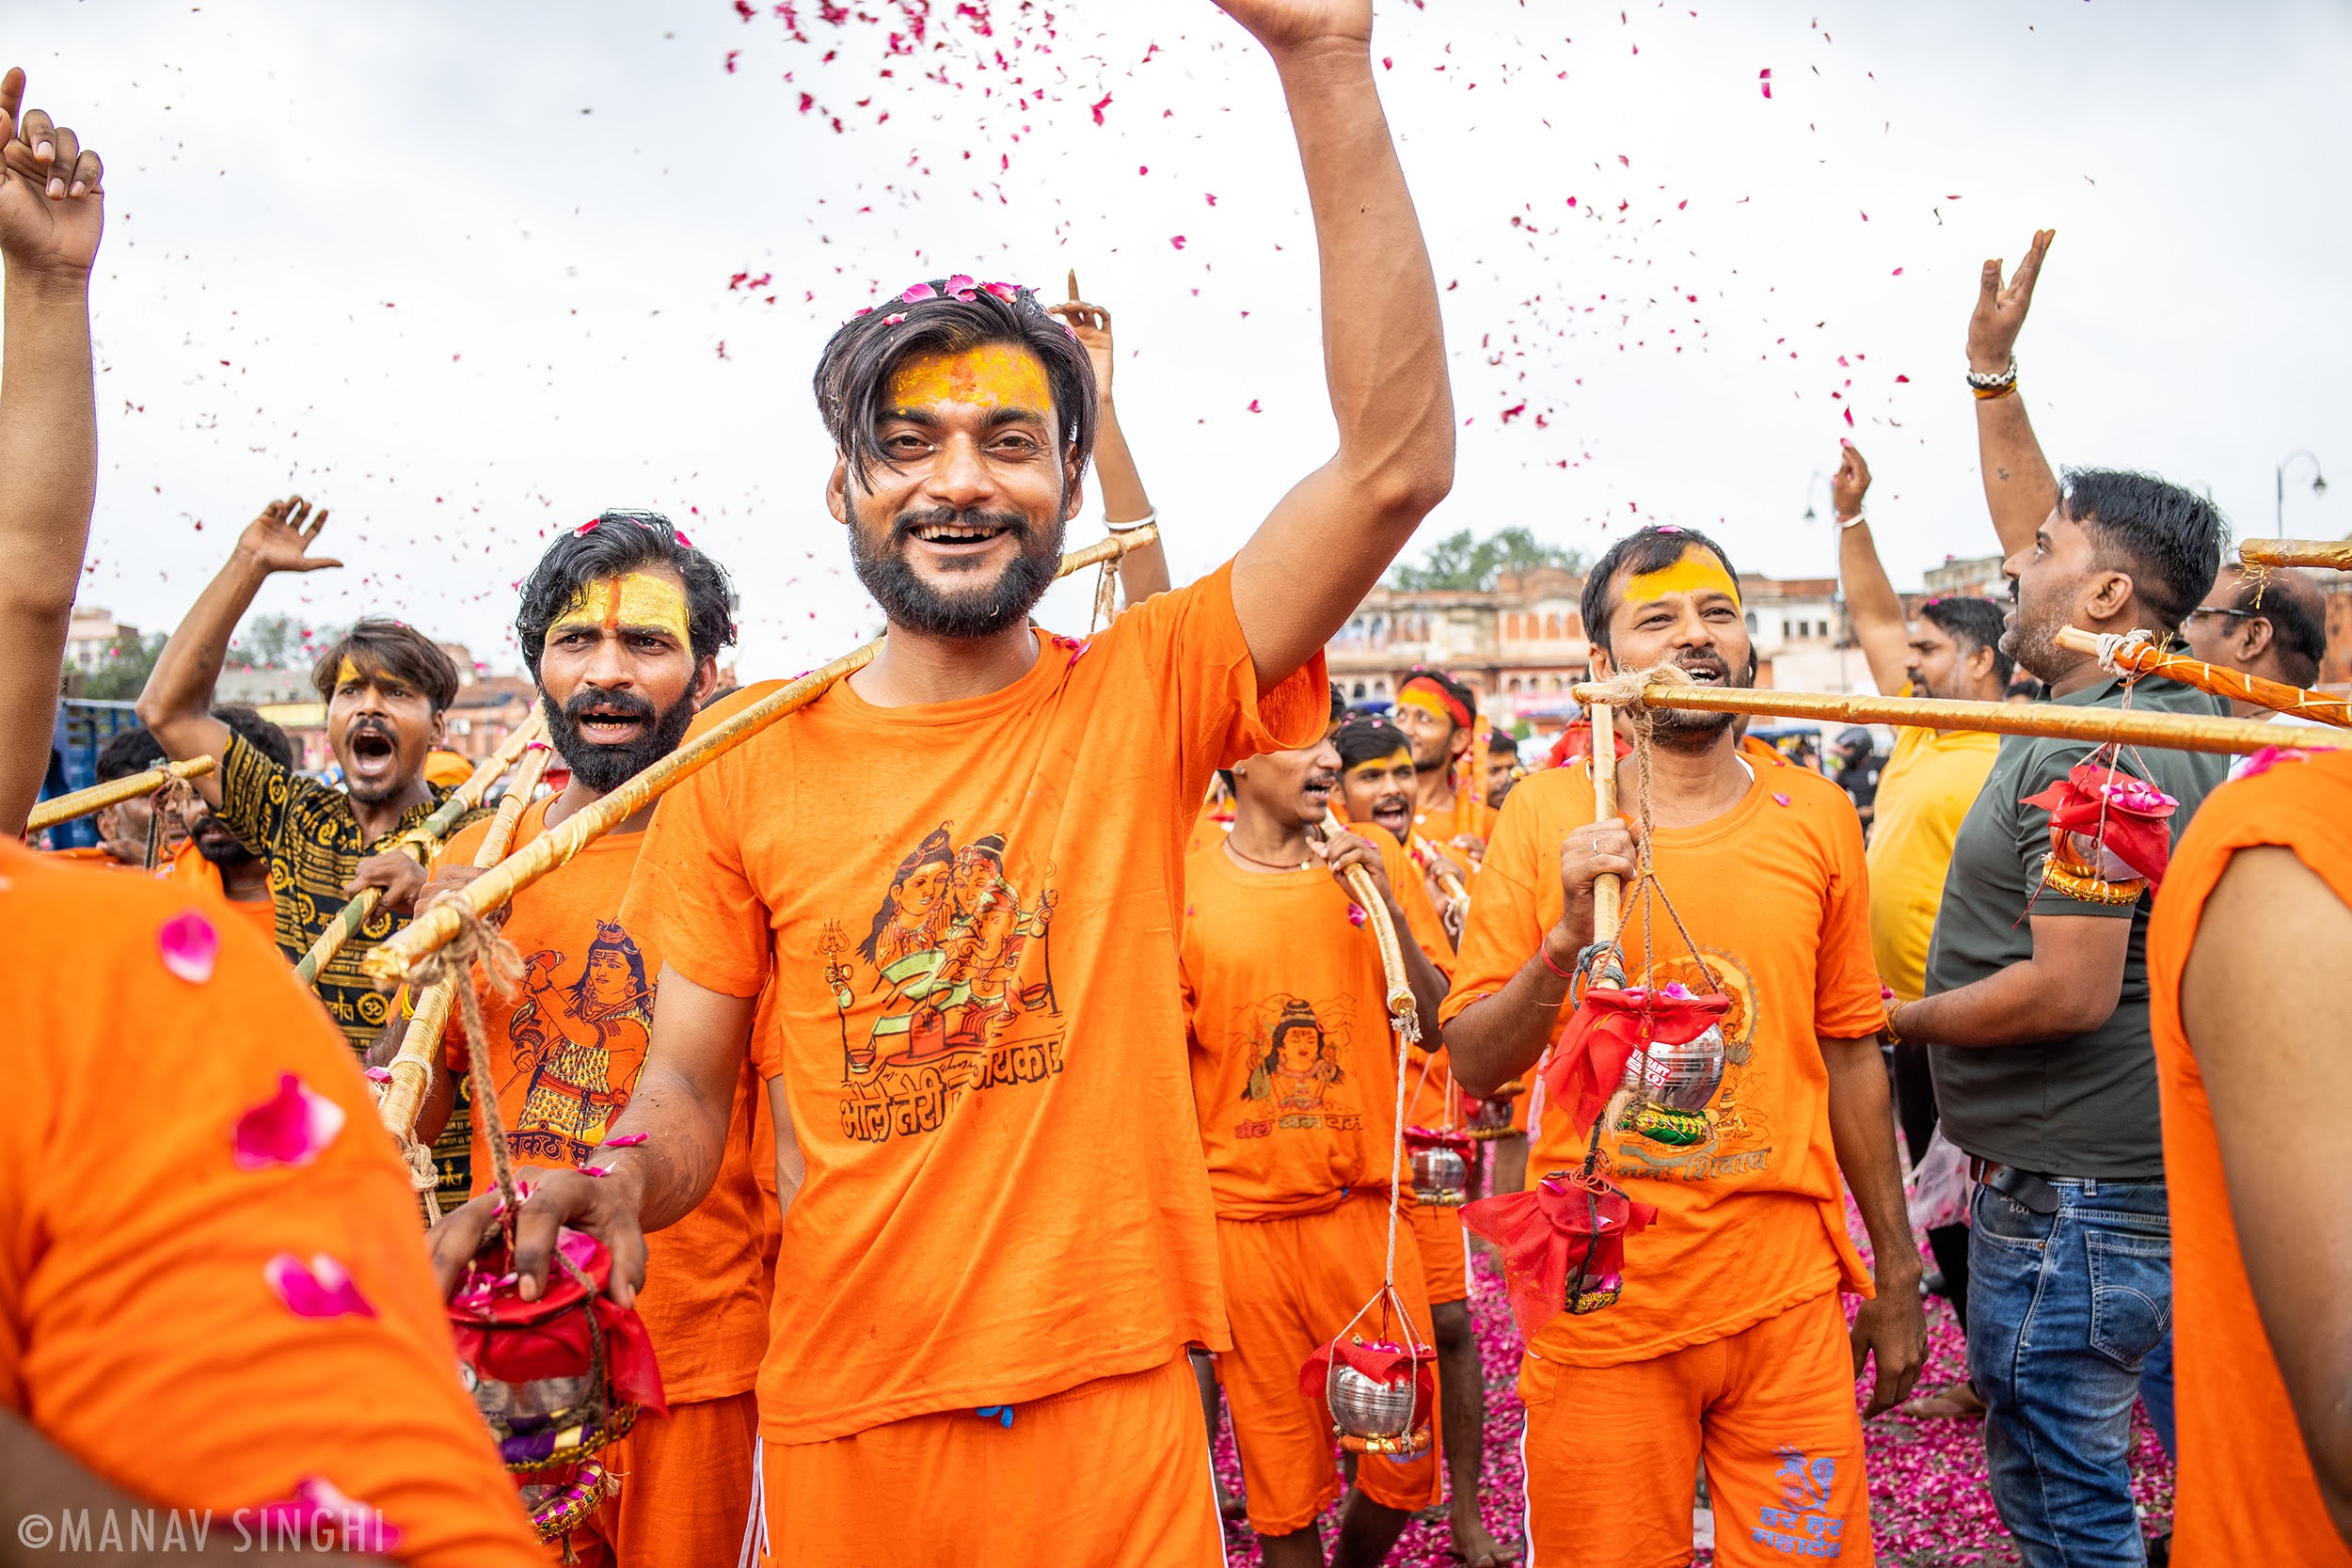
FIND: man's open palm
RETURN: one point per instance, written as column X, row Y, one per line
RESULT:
column 280, row 538
column 1284, row 23
column 2000, row 312
column 51, row 209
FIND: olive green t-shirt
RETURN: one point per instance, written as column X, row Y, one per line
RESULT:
column 2086, row 1105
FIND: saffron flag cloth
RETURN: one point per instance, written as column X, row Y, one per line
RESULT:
column 2126, row 813
column 1609, row 1025
column 1568, row 1222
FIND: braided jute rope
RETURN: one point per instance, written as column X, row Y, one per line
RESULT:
column 478, row 941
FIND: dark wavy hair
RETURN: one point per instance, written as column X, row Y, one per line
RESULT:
column 854, row 373
column 615, row 543
column 393, row 648
column 1363, row 738
column 2167, row 538
column 1973, row 623
column 1651, row 549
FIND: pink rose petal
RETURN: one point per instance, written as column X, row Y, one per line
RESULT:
column 1782, row 799
column 188, row 944
column 379, row 1074
column 626, row 1140
column 316, row 1501
column 288, row 1129
column 918, row 290
column 594, row 1170
column 320, row 1289
column 960, row 283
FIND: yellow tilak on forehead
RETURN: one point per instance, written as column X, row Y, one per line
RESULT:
column 1697, row 572
column 1379, row 765
column 346, row 673
column 994, row 375
column 1425, row 700
column 640, row 600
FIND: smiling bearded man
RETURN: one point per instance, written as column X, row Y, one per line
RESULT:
column 998, row 1233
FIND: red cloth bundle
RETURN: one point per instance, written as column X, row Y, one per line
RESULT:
column 504, row 1337
column 2126, row 813
column 1568, row 1226
column 1607, row 1027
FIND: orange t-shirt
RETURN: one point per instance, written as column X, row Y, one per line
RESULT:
column 969, row 912
column 1752, row 1221
column 140, row 1328
column 566, row 1051
column 1214, row 821
column 2246, row 1489
column 1294, row 1064
column 95, row 857
column 190, row 868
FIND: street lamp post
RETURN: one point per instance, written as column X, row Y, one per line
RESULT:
column 2278, row 473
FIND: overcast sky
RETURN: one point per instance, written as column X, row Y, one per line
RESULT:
column 460, row 271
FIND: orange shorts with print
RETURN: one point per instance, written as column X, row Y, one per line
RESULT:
column 1771, row 1411
column 1291, row 1285
column 1114, row 1472
column 1444, row 1254
column 686, row 1490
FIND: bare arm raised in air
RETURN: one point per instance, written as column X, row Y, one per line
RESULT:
column 1310, row 563
column 1141, row 572
column 1877, row 610
column 52, row 211
column 2019, row 486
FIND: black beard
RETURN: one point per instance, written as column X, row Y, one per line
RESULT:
column 217, row 844
column 1680, row 729
column 602, row 766
column 913, row 603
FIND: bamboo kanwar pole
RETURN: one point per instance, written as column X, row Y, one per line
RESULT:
column 420, row 842
column 1404, row 1012
column 2262, row 553
column 1603, row 761
column 2142, row 659
column 2178, row 731
column 65, row 808
column 412, row 1069
column 390, row 960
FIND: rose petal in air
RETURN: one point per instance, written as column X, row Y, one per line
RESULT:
column 288, row 1129
column 188, row 944
column 320, row 1289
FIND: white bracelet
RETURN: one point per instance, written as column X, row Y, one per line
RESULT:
column 1844, row 522
column 1145, row 521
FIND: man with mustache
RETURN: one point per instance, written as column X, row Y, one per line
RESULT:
column 1441, row 716
column 621, row 624
column 131, row 837
column 213, row 858
column 1294, row 1082
column 992, row 1263
column 386, row 688
column 2036, row 1013
column 1729, row 1339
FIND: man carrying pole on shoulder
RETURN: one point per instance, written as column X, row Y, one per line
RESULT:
column 958, row 875
column 1729, row 1340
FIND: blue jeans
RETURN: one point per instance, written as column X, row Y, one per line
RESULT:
column 2062, row 1310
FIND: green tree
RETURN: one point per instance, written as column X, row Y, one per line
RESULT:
column 1461, row 561
column 277, row 642
column 122, row 675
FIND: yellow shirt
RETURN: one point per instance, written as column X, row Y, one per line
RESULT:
column 1927, row 786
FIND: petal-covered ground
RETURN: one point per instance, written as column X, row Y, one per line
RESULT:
column 1929, row 1505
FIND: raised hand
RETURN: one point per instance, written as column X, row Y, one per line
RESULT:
column 280, row 538
column 1093, row 324
column 51, row 209
column 2000, row 311
column 1851, row 483
column 1287, row 24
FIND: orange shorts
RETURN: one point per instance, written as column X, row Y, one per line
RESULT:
column 686, row 1489
column 1114, row 1472
column 1444, row 1256
column 1770, row 1408
column 1290, row 1285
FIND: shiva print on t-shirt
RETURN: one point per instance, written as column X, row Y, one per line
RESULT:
column 1729, row 1134
column 579, row 1042
column 1297, row 1047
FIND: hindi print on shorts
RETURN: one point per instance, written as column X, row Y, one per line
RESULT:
column 959, row 955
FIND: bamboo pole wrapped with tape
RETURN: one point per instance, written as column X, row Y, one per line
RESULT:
column 412, row 1069
column 391, row 960
column 2263, row 554
column 2097, row 726
column 420, row 841
column 1603, row 762
column 98, row 796
column 2144, row 659
column 1404, row 1012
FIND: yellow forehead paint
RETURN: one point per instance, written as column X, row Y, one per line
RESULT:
column 641, row 601
column 1379, row 765
column 1425, row 700
column 1698, row 572
column 994, row 375
column 346, row 673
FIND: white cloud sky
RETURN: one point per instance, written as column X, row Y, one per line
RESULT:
column 460, row 272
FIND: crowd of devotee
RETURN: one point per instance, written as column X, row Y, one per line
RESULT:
column 917, row 1112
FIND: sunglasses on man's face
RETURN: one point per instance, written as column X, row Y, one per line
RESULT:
column 2217, row 609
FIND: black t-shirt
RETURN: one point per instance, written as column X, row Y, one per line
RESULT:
column 2084, row 1106
column 1860, row 779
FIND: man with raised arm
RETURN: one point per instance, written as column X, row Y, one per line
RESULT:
column 958, row 877
column 225, row 1317
column 1951, row 649
column 1143, row 571
column 2036, row 1012
column 1729, row 1344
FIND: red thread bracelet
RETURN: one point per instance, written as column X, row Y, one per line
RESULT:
column 1542, row 950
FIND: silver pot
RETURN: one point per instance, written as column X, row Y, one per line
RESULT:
column 1684, row 1077
column 1439, row 1173
column 2105, row 864
column 534, row 1401
column 1363, row 1408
